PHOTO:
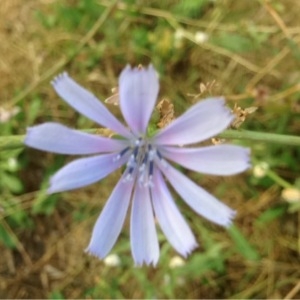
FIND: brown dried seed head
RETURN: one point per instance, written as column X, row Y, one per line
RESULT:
column 217, row 141
column 114, row 99
column 241, row 115
column 166, row 112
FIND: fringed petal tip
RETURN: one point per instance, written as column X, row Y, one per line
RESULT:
column 58, row 78
column 228, row 113
column 29, row 130
column 93, row 253
column 229, row 221
column 190, row 250
column 244, row 159
column 27, row 135
column 137, row 264
column 140, row 67
column 221, row 102
column 55, row 188
column 152, row 263
column 248, row 158
column 52, row 188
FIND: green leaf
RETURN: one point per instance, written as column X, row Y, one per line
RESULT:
column 200, row 263
column 34, row 109
column 56, row 295
column 11, row 142
column 234, row 42
column 19, row 218
column 191, row 8
column 270, row 215
column 44, row 203
column 7, row 239
column 242, row 245
column 13, row 183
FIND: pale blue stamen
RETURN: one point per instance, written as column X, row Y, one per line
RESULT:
column 121, row 153
column 140, row 163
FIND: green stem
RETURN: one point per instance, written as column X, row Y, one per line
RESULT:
column 280, row 181
column 290, row 140
column 11, row 142
column 16, row 141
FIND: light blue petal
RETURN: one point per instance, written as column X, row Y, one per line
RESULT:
column 84, row 171
column 197, row 198
column 54, row 137
column 111, row 220
column 203, row 120
column 87, row 104
column 216, row 160
column 138, row 90
column 169, row 218
column 144, row 243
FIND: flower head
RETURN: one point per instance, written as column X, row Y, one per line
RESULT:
column 146, row 160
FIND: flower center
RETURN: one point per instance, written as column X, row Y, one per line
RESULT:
column 141, row 162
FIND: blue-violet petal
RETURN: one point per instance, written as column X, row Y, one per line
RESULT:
column 197, row 198
column 144, row 243
column 110, row 222
column 84, row 171
column 138, row 90
column 87, row 104
column 216, row 160
column 169, row 218
column 57, row 138
column 203, row 120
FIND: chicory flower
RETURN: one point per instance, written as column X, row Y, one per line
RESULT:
column 147, row 163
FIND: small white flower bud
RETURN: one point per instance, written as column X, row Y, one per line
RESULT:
column 291, row 195
column 176, row 261
column 201, row 37
column 112, row 260
column 260, row 169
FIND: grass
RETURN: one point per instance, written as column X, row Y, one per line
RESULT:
column 247, row 51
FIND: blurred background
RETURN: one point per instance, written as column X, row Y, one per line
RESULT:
column 247, row 51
